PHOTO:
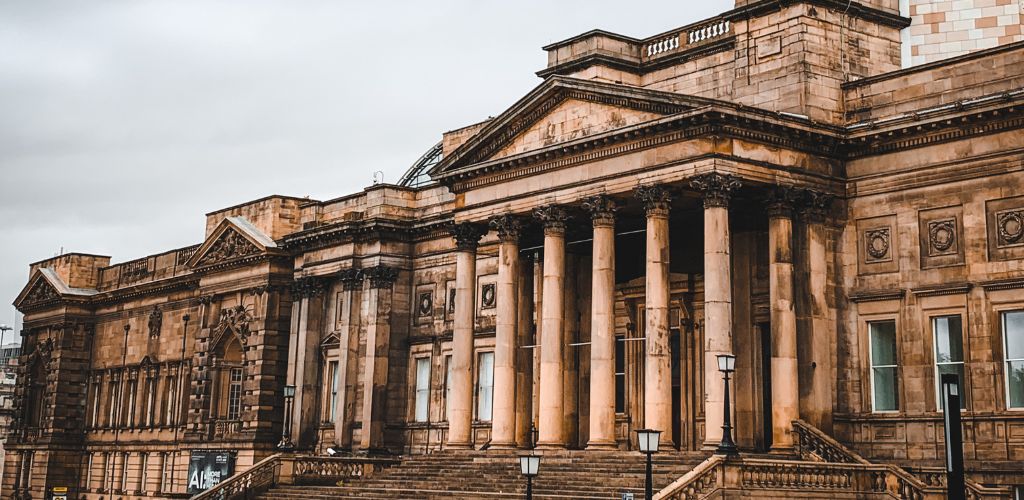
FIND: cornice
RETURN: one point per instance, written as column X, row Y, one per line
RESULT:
column 1003, row 284
column 877, row 295
column 631, row 65
column 942, row 289
column 855, row 9
column 347, row 231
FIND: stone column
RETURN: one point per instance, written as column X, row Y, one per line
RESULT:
column 304, row 366
column 818, row 410
column 602, row 324
column 460, row 407
column 348, row 350
column 658, row 363
column 551, row 425
column 503, row 417
column 375, row 364
column 785, row 378
column 717, row 189
column 524, row 356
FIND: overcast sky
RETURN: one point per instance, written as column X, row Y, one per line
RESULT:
column 123, row 122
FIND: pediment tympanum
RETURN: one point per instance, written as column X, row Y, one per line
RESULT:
column 564, row 109
column 41, row 292
column 233, row 239
column 45, row 287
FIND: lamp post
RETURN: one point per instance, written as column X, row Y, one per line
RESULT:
column 3, row 332
column 727, row 365
column 286, row 435
column 648, row 440
column 529, row 465
column 955, row 488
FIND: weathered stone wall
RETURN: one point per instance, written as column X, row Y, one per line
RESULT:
column 944, row 28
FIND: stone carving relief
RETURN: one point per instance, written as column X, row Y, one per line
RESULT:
column 508, row 227
column 942, row 236
column 230, row 245
column 487, row 296
column 425, row 304
column 717, row 188
column 1010, row 227
column 553, row 217
column 233, row 319
column 467, row 235
column 351, row 279
column 307, row 287
column 156, row 319
column 381, row 276
column 42, row 292
column 876, row 244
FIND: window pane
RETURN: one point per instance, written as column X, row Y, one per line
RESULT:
column 958, row 370
column 1015, row 383
column 485, row 377
column 883, row 343
column 447, row 383
column 885, row 392
column 422, row 388
column 1013, row 326
column 948, row 339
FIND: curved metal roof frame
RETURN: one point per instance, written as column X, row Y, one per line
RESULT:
column 417, row 175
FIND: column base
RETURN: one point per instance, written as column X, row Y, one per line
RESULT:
column 551, row 446
column 602, row 445
column 459, row 446
column 503, row 446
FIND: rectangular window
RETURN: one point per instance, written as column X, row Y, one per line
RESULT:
column 150, row 418
column 143, row 464
column 884, row 376
column 172, row 391
column 447, row 383
column 422, row 389
column 332, row 411
column 235, row 394
column 129, row 415
column 112, row 402
column 1013, row 351
column 165, row 472
column 88, row 473
column 620, row 374
column 949, row 354
column 485, row 386
column 124, row 473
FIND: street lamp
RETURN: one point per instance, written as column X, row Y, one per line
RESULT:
column 648, row 439
column 727, row 365
column 529, row 465
column 286, row 435
column 3, row 331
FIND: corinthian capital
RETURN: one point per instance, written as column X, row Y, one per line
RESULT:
column 657, row 199
column 351, row 278
column 717, row 188
column 381, row 276
column 816, row 204
column 508, row 227
column 467, row 235
column 602, row 209
column 553, row 217
column 781, row 200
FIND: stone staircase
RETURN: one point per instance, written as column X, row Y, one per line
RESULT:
column 495, row 474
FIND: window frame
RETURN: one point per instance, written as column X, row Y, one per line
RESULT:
column 480, row 387
column 932, row 318
column 1001, row 314
column 234, row 393
column 871, row 363
column 418, row 392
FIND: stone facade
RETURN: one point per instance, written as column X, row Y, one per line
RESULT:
column 767, row 183
column 943, row 29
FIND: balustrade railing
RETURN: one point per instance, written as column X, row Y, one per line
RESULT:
column 710, row 30
column 713, row 29
column 283, row 469
column 814, row 445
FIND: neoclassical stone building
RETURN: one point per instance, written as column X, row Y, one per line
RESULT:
column 768, row 183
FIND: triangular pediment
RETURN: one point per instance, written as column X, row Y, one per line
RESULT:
column 45, row 287
column 235, row 238
column 564, row 109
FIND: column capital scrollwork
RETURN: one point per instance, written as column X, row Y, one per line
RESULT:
column 381, row 276
column 657, row 199
column 781, row 200
column 553, row 217
column 816, row 205
column 717, row 188
column 351, row 279
column 467, row 235
column 308, row 286
column 602, row 209
column 508, row 226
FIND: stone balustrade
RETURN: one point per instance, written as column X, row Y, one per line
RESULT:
column 662, row 45
column 281, row 469
column 712, row 29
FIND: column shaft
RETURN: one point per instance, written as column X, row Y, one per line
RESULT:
column 503, row 420
column 460, row 410
column 551, row 424
column 785, row 379
column 602, row 327
column 524, row 356
column 658, row 367
column 375, row 364
column 819, row 411
column 717, row 189
column 348, row 350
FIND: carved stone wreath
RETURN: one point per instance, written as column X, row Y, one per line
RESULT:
column 487, row 296
column 426, row 304
column 876, row 243
column 942, row 236
column 1010, row 226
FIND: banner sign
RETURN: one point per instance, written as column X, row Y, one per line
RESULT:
column 207, row 468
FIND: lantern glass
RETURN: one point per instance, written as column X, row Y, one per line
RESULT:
column 950, row 384
column 289, row 391
column 529, row 465
column 726, row 363
column 648, row 440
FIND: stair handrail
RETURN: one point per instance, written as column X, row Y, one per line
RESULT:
column 814, row 444
column 702, row 480
column 259, row 478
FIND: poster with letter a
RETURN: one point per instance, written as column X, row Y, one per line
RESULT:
column 207, row 468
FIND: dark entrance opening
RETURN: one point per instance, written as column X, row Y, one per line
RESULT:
column 765, row 330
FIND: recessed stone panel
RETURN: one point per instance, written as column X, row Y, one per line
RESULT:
column 940, row 231
column 1005, row 224
column 877, row 245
